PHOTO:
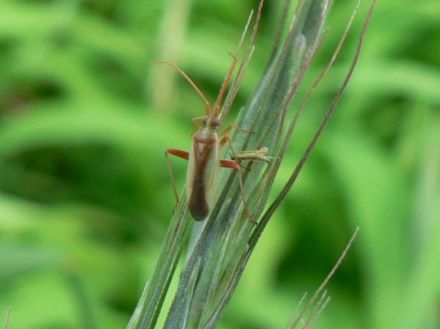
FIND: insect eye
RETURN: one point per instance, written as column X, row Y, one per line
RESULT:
column 216, row 122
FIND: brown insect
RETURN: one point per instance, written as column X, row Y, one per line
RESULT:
column 204, row 156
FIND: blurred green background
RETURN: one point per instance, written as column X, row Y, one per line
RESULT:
column 85, row 198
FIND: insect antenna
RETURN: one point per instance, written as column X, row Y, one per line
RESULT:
column 224, row 87
column 192, row 83
column 246, row 58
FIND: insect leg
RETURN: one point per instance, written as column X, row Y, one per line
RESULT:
column 230, row 164
column 236, row 166
column 228, row 130
column 180, row 154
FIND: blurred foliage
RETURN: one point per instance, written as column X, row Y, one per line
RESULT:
column 85, row 116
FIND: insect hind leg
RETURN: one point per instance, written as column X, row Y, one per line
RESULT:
column 236, row 166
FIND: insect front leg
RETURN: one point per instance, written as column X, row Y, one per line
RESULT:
column 180, row 154
column 227, row 131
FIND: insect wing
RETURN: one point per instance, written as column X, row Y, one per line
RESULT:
column 201, row 176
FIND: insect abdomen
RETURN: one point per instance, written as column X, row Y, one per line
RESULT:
column 202, row 171
column 198, row 204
